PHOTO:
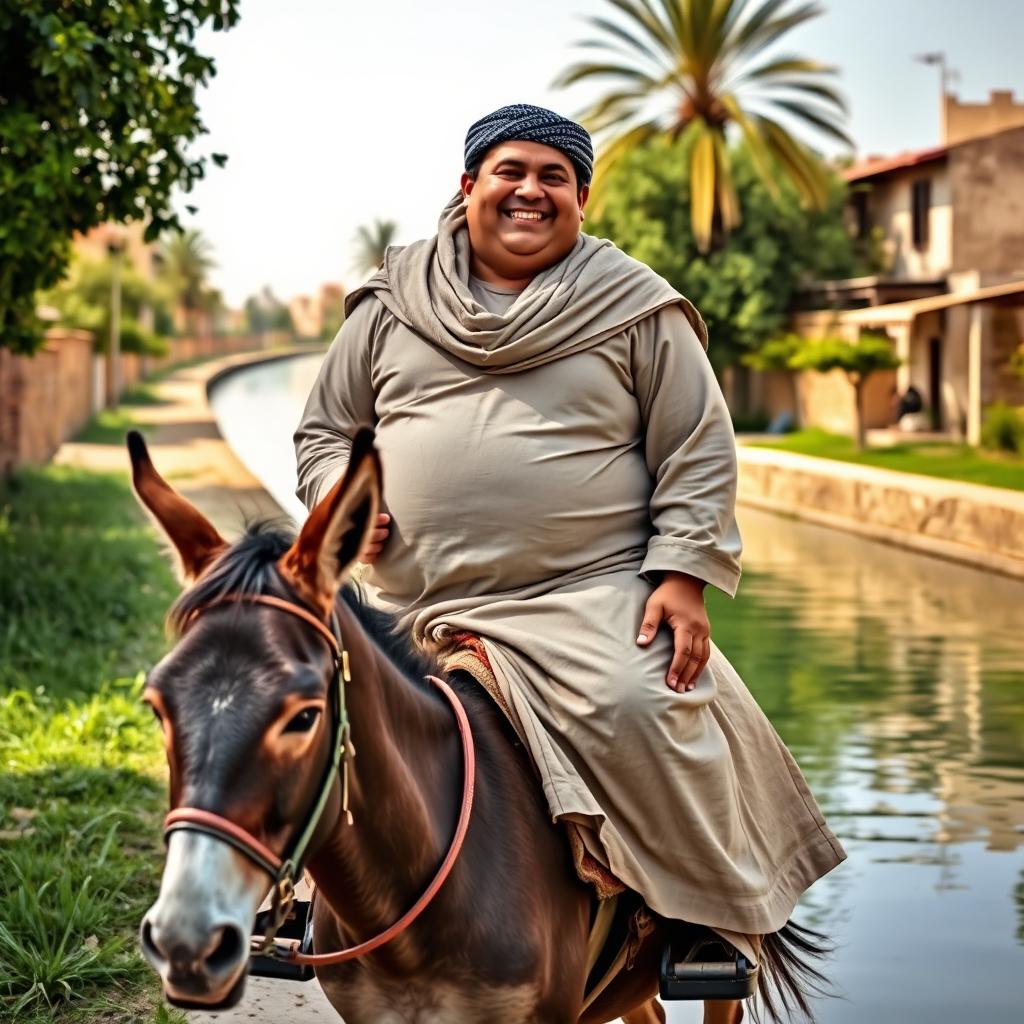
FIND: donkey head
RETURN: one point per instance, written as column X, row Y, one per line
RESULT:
column 243, row 699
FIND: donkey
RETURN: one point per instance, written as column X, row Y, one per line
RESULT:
column 245, row 703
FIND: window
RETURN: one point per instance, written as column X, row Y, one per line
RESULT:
column 920, row 205
column 861, row 218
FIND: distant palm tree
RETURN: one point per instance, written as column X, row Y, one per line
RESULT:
column 187, row 259
column 688, row 68
column 371, row 244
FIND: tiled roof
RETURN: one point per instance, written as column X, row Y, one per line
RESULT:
column 875, row 166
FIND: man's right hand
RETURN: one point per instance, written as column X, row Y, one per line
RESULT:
column 377, row 540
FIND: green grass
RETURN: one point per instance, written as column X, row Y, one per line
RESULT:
column 949, row 461
column 83, row 589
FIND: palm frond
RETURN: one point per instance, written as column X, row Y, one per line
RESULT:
column 814, row 117
column 702, row 186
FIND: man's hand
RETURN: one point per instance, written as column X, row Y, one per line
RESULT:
column 377, row 539
column 678, row 602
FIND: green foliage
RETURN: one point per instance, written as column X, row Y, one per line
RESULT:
column 744, row 288
column 83, row 588
column 1003, row 428
column 97, row 111
column 697, row 70
column 857, row 359
column 83, row 300
column 186, row 262
column 947, row 461
column 79, row 572
column 774, row 354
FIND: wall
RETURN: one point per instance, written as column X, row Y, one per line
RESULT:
column 987, row 182
column 962, row 121
column 47, row 398
column 889, row 207
column 967, row 523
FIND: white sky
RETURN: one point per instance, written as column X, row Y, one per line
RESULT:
column 336, row 112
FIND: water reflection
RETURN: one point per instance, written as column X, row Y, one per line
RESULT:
column 898, row 682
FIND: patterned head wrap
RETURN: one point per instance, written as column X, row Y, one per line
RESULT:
column 525, row 123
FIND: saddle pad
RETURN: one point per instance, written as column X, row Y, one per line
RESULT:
column 467, row 652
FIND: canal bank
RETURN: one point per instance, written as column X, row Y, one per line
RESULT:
column 962, row 522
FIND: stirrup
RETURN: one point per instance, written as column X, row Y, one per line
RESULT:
column 709, row 969
column 297, row 925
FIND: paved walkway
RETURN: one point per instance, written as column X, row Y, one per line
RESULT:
column 189, row 452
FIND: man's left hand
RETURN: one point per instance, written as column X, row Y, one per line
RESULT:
column 678, row 602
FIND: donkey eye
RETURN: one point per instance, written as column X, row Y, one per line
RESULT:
column 303, row 721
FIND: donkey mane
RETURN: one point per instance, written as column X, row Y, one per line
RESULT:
column 249, row 567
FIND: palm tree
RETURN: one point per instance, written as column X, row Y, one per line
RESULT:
column 691, row 68
column 372, row 242
column 187, row 259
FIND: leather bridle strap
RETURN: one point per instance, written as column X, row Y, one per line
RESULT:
column 291, row 951
column 283, row 871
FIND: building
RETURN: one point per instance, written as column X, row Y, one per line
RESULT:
column 949, row 221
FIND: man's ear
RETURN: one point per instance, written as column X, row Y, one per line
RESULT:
column 191, row 533
column 466, row 183
column 337, row 530
column 584, row 196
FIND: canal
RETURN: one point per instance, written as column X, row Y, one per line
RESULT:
column 897, row 681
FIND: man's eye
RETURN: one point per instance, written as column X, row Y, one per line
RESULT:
column 303, row 721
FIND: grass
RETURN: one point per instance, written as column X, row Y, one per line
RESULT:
column 949, row 461
column 83, row 589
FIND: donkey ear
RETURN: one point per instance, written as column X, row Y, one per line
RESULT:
column 191, row 533
column 337, row 529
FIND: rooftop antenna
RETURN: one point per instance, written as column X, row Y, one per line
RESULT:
column 946, row 77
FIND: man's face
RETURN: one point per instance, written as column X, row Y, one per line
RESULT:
column 523, row 209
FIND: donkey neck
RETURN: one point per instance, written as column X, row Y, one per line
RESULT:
column 404, row 789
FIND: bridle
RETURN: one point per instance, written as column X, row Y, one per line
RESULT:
column 285, row 869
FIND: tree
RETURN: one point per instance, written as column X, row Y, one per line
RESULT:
column 694, row 69
column 83, row 301
column 777, row 354
column 857, row 359
column 746, row 287
column 187, row 259
column 97, row 111
column 371, row 244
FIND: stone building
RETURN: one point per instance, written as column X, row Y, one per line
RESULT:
column 950, row 224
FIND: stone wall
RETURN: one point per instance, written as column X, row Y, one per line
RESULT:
column 968, row 523
column 987, row 177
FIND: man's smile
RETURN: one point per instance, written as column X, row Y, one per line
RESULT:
column 526, row 216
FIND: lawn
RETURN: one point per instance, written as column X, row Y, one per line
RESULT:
column 83, row 589
column 949, row 461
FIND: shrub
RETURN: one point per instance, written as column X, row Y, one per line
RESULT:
column 1003, row 429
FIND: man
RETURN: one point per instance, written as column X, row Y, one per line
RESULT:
column 560, row 483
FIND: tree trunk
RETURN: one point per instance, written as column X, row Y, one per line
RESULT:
column 858, row 397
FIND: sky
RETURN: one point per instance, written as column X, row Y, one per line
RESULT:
column 336, row 112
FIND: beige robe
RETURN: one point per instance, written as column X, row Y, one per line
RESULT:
column 541, row 466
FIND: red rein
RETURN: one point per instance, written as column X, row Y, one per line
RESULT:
column 469, row 760
column 198, row 820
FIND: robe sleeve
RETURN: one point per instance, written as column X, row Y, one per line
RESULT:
column 690, row 451
column 342, row 400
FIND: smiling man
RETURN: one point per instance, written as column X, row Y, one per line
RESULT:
column 560, row 480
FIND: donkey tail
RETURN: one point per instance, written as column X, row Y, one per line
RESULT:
column 788, row 974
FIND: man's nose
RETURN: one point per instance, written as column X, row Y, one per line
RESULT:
column 529, row 187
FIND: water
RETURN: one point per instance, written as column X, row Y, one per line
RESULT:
column 898, row 683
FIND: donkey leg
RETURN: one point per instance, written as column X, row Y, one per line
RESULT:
column 723, row 1011
column 651, row 1012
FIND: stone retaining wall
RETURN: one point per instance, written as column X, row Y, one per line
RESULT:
column 968, row 523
